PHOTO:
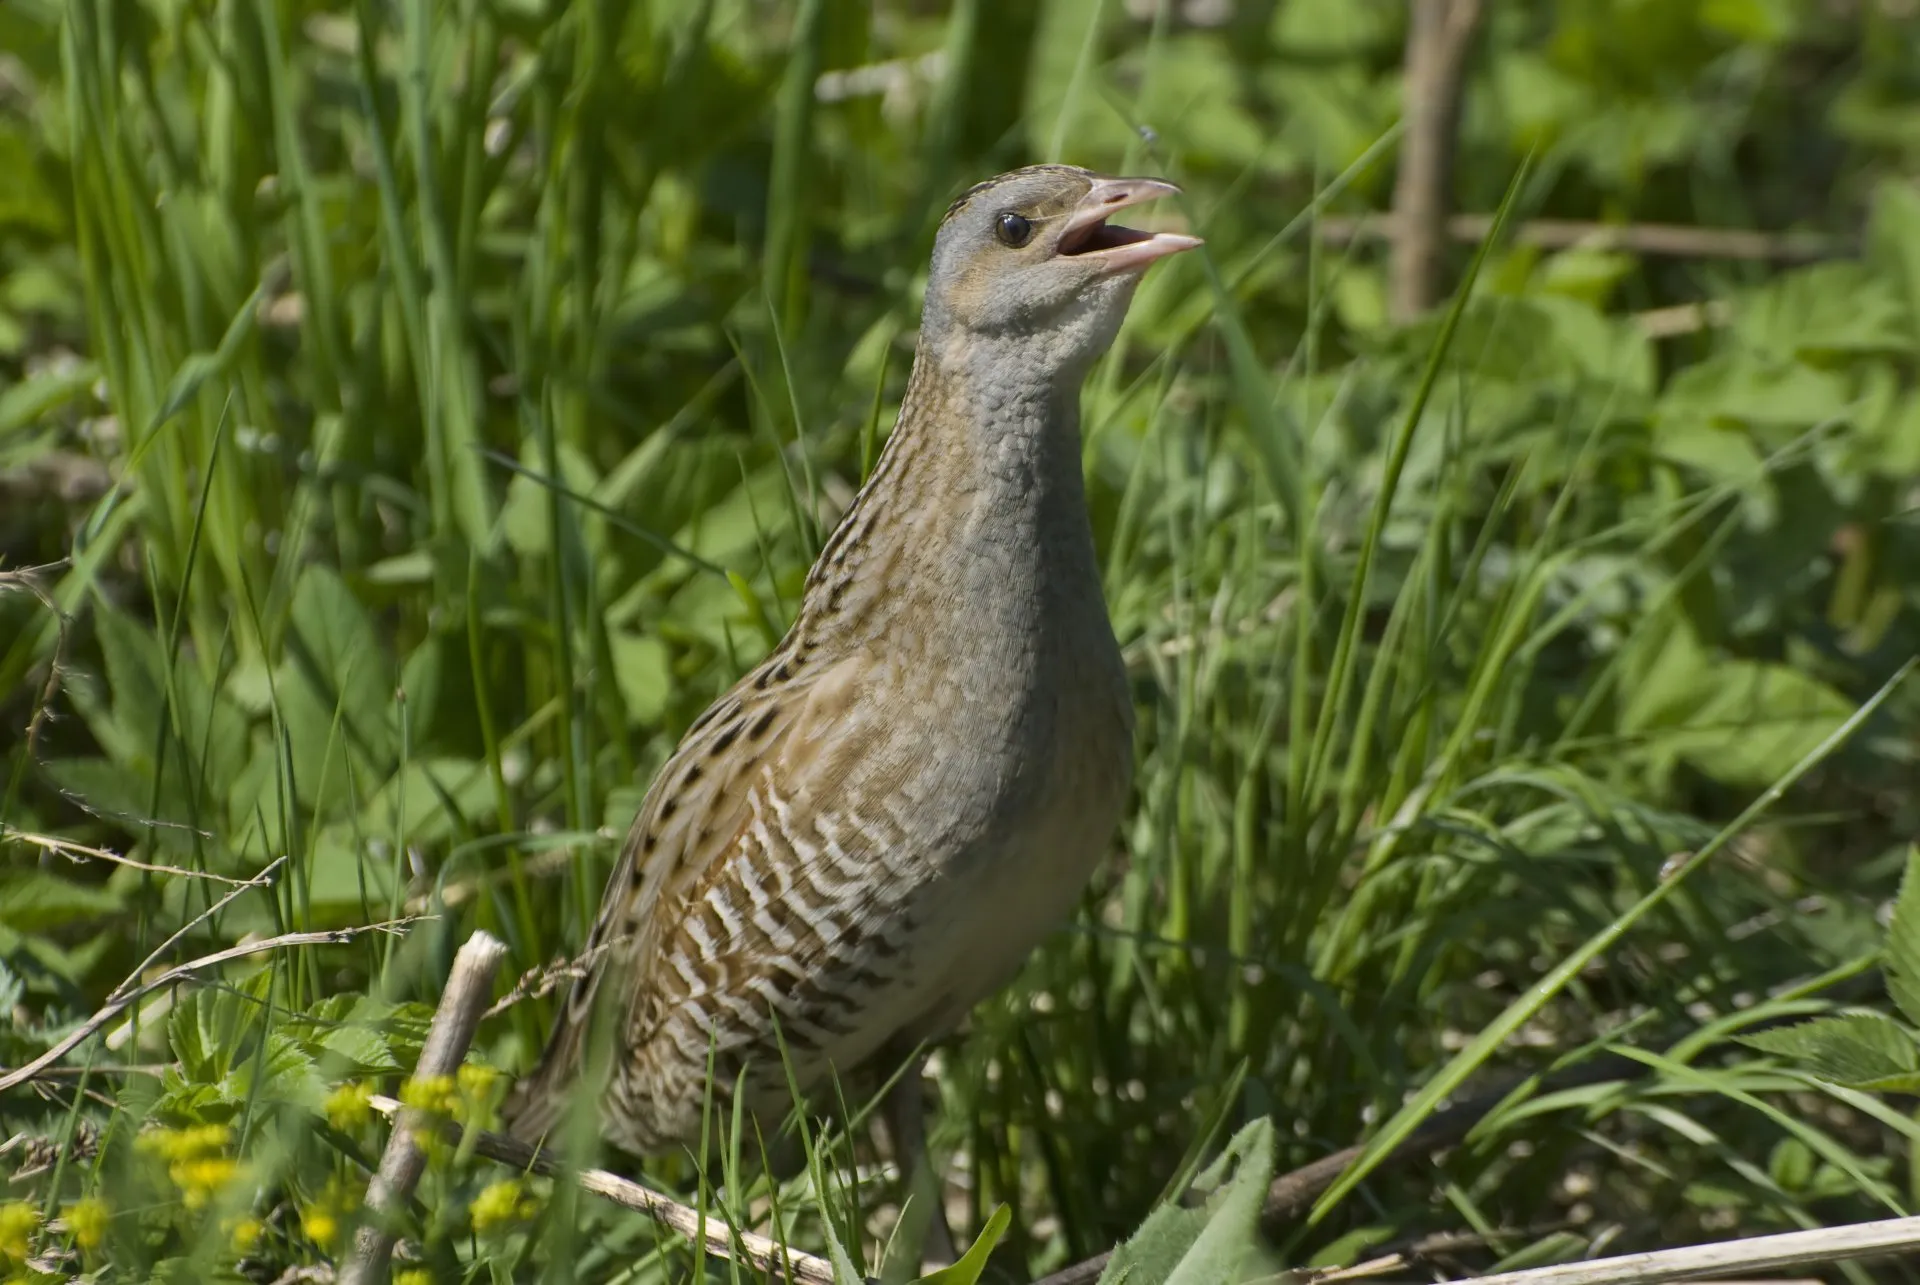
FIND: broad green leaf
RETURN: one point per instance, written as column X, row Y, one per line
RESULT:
column 1778, row 399
column 437, row 793
column 1825, row 309
column 1216, row 1243
column 1856, row 1049
column 28, row 401
column 335, row 649
column 136, row 686
column 1903, row 942
column 285, row 1072
column 36, row 901
column 643, row 668
column 1744, row 722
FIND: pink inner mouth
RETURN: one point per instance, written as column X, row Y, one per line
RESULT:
column 1100, row 236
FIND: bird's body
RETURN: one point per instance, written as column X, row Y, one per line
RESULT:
column 870, row 831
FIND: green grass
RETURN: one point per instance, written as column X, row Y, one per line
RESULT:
column 475, row 383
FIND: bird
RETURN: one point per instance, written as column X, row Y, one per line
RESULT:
column 870, row 831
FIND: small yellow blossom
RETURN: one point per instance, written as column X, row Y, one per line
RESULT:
column 321, row 1219
column 246, row 1235
column 202, row 1177
column 413, row 1276
column 18, row 1222
column 476, row 1094
column 350, row 1105
column 320, row 1225
column 185, row 1144
column 477, row 1081
column 87, row 1220
column 500, row 1203
column 435, row 1094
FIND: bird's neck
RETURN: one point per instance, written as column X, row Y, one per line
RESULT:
column 976, row 503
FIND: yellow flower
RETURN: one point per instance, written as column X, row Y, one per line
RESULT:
column 350, row 1106
column 436, row 1094
column 500, row 1203
column 476, row 1094
column 320, row 1225
column 321, row 1219
column 87, row 1220
column 246, row 1235
column 18, row 1222
column 201, row 1177
column 476, row 1081
column 206, row 1137
column 413, row 1276
column 185, row 1144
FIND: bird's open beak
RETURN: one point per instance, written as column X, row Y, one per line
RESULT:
column 1088, row 234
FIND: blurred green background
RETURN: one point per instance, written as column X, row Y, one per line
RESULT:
column 418, row 411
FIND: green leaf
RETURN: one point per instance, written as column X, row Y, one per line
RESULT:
column 35, row 901
column 285, row 1073
column 1215, row 1243
column 643, row 670
column 973, row 1263
column 1858, row 1049
column 1742, row 722
column 339, row 653
column 1778, row 399
column 1903, row 942
column 198, row 368
column 1825, row 309
column 28, row 401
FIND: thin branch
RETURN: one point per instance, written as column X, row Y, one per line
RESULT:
column 543, row 979
column 125, row 1000
column 261, row 880
column 79, row 852
column 1821, row 1247
column 1683, row 318
column 1438, row 35
column 454, row 1022
column 761, row 1253
column 1658, row 240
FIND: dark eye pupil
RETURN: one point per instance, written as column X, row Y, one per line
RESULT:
column 1012, row 229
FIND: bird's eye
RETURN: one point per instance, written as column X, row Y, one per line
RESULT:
column 1012, row 229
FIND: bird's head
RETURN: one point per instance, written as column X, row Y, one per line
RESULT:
column 1027, row 267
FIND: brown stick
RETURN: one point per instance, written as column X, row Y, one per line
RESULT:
column 1438, row 33
column 1660, row 240
column 469, row 986
column 1818, row 1247
column 763, row 1254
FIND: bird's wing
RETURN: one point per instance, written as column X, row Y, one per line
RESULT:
column 781, row 723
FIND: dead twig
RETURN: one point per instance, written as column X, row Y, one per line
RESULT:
column 261, row 880
column 1822, row 1246
column 1656, row 240
column 401, row 1165
column 78, row 852
column 761, row 1253
column 1683, row 318
column 125, row 999
column 1438, row 35
column 543, row 979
